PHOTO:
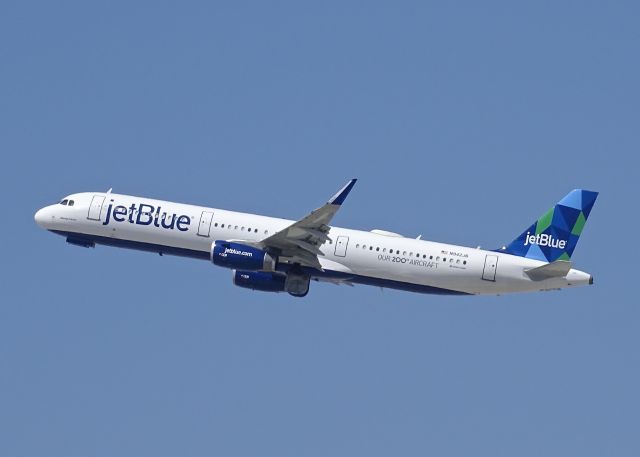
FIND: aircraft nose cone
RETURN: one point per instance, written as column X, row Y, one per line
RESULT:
column 41, row 217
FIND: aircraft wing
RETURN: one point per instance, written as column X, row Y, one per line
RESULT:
column 300, row 242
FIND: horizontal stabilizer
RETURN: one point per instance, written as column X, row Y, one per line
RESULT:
column 557, row 269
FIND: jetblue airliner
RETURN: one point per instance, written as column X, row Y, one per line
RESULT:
column 278, row 255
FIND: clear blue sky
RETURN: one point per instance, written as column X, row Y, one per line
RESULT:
column 464, row 121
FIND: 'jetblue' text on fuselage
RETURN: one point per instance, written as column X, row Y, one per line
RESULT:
column 144, row 214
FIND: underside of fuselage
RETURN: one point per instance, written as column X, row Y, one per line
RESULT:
column 86, row 240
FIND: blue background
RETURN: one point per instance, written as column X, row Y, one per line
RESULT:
column 464, row 121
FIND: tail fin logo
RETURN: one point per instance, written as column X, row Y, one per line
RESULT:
column 554, row 235
column 544, row 239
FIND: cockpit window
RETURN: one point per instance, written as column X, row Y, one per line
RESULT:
column 71, row 202
column 64, row 202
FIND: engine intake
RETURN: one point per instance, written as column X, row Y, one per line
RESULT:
column 242, row 257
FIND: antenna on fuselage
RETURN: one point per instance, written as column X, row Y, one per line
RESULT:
column 110, row 189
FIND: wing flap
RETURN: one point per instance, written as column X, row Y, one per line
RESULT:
column 307, row 246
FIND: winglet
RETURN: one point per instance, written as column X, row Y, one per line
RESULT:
column 339, row 198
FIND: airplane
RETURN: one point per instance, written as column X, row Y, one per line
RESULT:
column 278, row 255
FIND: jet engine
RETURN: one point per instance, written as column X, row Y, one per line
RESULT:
column 242, row 257
column 294, row 283
column 259, row 280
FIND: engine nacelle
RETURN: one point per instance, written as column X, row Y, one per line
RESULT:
column 85, row 243
column 240, row 256
column 259, row 280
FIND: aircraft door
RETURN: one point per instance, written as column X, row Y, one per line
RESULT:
column 490, row 266
column 341, row 246
column 204, row 228
column 96, row 207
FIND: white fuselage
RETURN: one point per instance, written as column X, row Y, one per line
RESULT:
column 352, row 256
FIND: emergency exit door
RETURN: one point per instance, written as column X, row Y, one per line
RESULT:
column 96, row 207
column 204, row 228
column 341, row 246
column 490, row 266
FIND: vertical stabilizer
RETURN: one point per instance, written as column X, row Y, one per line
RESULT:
column 555, row 234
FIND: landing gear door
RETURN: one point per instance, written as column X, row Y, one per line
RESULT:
column 490, row 266
column 341, row 246
column 204, row 228
column 96, row 208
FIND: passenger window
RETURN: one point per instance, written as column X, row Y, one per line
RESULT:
column 404, row 252
column 377, row 249
column 384, row 249
column 430, row 257
column 255, row 230
column 464, row 262
column 357, row 246
column 221, row 225
column 371, row 248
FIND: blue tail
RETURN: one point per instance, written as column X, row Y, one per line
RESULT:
column 554, row 235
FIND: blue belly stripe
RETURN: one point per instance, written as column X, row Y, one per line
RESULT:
column 204, row 255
